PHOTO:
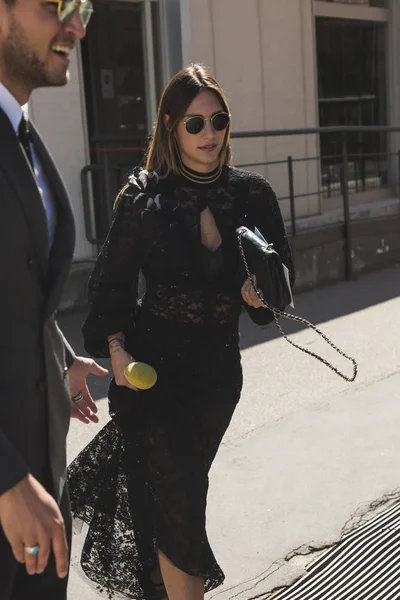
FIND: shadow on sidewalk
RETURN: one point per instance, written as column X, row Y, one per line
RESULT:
column 325, row 304
column 317, row 306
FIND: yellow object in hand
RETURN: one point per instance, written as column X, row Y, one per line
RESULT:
column 140, row 375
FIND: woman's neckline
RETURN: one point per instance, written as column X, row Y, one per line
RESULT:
column 198, row 177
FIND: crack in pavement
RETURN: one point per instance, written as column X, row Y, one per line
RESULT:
column 299, row 558
column 361, row 516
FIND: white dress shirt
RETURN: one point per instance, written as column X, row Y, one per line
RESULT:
column 14, row 112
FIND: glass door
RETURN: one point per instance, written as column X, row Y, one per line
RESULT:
column 122, row 68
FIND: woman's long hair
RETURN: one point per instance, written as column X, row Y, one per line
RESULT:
column 162, row 155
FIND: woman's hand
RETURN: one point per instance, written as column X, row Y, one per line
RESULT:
column 249, row 295
column 120, row 359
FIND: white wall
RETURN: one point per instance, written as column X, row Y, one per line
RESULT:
column 290, row 93
column 58, row 113
column 263, row 54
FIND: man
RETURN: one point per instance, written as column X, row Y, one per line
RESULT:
column 39, row 373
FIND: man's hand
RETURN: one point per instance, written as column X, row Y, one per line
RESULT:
column 29, row 516
column 85, row 409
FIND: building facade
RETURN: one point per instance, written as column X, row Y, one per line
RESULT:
column 283, row 64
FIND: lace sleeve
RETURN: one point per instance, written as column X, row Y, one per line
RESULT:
column 265, row 214
column 112, row 291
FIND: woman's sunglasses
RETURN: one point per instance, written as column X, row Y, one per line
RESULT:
column 67, row 8
column 195, row 125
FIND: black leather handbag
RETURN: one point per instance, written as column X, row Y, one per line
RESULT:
column 258, row 257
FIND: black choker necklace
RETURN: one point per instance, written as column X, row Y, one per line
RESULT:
column 196, row 177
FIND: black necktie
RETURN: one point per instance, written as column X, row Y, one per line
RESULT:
column 25, row 138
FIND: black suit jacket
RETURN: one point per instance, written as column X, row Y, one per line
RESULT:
column 34, row 398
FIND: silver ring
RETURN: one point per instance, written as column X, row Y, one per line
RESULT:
column 32, row 550
column 77, row 398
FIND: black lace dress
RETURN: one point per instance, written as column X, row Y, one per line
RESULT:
column 141, row 484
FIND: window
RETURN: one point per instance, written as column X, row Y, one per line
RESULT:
column 351, row 58
column 376, row 3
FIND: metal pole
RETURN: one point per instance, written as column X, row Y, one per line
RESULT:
column 150, row 64
column 88, row 210
column 110, row 191
column 291, row 195
column 398, row 171
column 346, row 211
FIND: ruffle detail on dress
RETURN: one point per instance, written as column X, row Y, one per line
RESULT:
column 115, row 556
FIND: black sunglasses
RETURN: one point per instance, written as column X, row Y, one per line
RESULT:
column 195, row 125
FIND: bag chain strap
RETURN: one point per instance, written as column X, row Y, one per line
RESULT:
column 278, row 313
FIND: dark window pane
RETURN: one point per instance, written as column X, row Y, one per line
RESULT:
column 376, row 3
column 351, row 61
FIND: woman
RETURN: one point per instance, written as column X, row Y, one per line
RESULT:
column 142, row 482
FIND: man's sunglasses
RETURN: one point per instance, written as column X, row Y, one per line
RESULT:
column 195, row 125
column 67, row 8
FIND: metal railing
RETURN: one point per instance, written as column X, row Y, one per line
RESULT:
column 112, row 158
column 362, row 180
column 356, row 165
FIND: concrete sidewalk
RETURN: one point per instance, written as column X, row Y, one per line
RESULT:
column 305, row 450
column 298, row 481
